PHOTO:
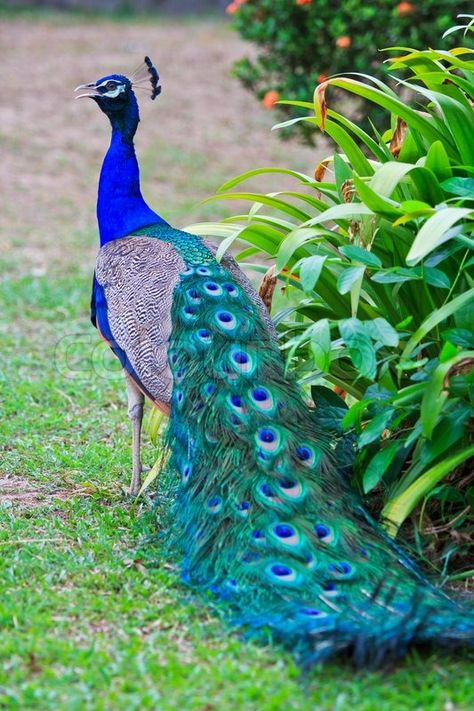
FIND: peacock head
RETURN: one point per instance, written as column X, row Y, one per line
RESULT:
column 112, row 93
column 115, row 93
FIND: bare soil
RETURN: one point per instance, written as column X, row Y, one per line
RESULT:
column 20, row 492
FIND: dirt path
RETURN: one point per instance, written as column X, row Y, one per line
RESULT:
column 203, row 130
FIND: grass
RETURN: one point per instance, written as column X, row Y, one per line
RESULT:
column 91, row 617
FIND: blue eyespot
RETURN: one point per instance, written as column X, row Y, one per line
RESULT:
column 281, row 570
column 240, row 357
column 268, row 439
column 212, row 288
column 203, row 336
column 260, row 394
column 340, row 569
column 310, row 561
column 281, row 573
column 266, row 490
column 284, row 531
column 179, row 375
column 321, row 530
column 186, row 472
column 190, row 313
column 214, row 504
column 236, row 400
column 307, row 455
column 193, row 295
column 230, row 288
column 311, row 611
column 303, row 453
column 225, row 320
column 243, row 506
column 288, row 483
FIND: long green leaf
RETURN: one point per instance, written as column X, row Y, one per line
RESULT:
column 396, row 510
column 349, row 211
column 305, row 179
column 378, row 465
column 436, row 394
column 396, row 106
column 310, row 270
column 212, row 229
column 347, row 144
column 435, row 318
column 294, row 240
column 436, row 231
column 280, row 205
column 321, row 344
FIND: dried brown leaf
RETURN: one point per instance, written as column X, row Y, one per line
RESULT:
column 323, row 107
column 267, row 287
column 398, row 137
column 347, row 190
column 320, row 170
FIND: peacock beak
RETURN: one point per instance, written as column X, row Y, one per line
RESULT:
column 90, row 94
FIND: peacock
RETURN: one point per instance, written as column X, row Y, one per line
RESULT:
column 263, row 517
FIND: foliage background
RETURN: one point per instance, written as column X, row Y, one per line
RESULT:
column 301, row 43
column 376, row 256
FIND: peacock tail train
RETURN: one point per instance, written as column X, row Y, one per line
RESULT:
column 262, row 516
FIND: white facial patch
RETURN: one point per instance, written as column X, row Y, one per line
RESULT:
column 113, row 93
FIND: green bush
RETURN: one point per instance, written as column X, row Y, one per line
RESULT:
column 377, row 262
column 303, row 41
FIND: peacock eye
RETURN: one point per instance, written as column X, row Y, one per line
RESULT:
column 111, row 85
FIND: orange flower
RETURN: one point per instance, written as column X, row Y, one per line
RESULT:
column 405, row 8
column 304, row 2
column 322, row 78
column 270, row 99
column 234, row 6
column 343, row 42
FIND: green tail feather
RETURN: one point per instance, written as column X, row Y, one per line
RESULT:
column 262, row 518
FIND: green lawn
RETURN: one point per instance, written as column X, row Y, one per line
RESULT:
column 87, row 619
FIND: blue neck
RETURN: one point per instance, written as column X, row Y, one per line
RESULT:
column 121, row 208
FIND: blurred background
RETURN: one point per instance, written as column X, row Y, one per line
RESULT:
column 204, row 129
column 177, row 7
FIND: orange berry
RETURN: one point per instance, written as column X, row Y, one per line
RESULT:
column 322, row 78
column 304, row 2
column 405, row 8
column 343, row 42
column 270, row 99
column 232, row 8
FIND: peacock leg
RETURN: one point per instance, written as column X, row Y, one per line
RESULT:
column 135, row 413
